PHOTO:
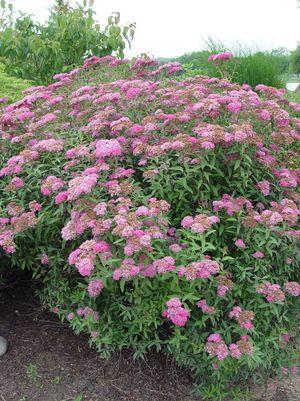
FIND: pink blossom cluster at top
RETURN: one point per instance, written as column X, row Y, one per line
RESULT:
column 81, row 185
column 224, row 56
column 176, row 312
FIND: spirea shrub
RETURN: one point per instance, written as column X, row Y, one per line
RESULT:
column 159, row 213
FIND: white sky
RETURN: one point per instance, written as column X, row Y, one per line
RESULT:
column 169, row 28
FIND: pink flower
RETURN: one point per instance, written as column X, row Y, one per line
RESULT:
column 224, row 56
column 292, row 288
column 215, row 337
column 234, row 107
column 222, row 290
column 44, row 259
column 61, row 197
column 240, row 243
column 175, row 248
column 95, row 287
column 205, row 308
column 107, row 148
column 234, row 351
column 207, row 145
column 187, row 221
column 176, row 313
column 215, row 346
column 101, row 246
column 17, row 182
column 264, row 186
column 258, row 255
column 70, row 316
column 85, row 267
column 285, row 337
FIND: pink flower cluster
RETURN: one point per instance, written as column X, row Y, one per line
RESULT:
column 215, row 346
column 230, row 204
column 203, row 269
column 272, row 292
column 288, row 178
column 107, row 148
column 176, row 313
column 199, row 223
column 84, row 257
column 87, row 313
column 243, row 317
column 292, row 288
column 264, row 186
column 242, row 347
column 49, row 145
column 51, row 184
column 81, row 185
column 210, row 310
column 224, row 56
column 95, row 287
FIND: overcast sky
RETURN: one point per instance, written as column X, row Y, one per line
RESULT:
column 169, row 28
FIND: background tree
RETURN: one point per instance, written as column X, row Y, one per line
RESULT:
column 295, row 61
column 36, row 51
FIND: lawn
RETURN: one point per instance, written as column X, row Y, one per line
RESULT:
column 12, row 87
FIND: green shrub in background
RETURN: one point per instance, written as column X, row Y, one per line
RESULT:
column 295, row 61
column 36, row 51
column 12, row 87
column 250, row 66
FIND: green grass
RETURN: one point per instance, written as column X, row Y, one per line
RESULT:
column 12, row 87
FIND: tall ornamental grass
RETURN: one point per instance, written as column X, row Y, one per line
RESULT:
column 250, row 64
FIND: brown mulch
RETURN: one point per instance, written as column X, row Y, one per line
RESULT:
column 46, row 361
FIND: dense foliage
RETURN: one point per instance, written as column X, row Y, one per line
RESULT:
column 159, row 213
column 37, row 51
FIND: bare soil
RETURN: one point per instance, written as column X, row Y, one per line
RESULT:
column 46, row 361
